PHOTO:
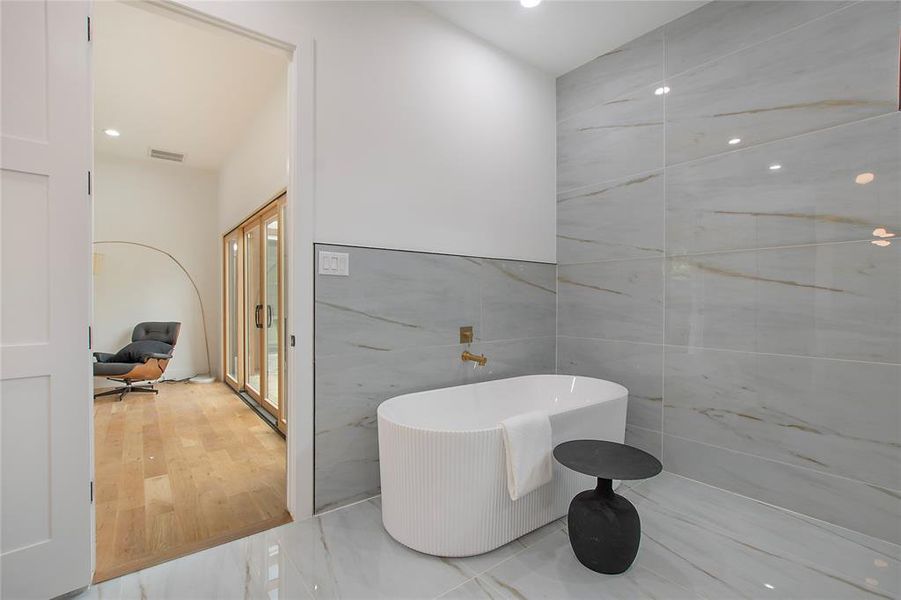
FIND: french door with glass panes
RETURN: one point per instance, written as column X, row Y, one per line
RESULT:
column 253, row 302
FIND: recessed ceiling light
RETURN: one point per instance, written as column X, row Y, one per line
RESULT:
column 734, row 141
column 529, row 3
column 883, row 232
column 112, row 132
column 864, row 178
column 769, row 586
column 661, row 90
column 775, row 167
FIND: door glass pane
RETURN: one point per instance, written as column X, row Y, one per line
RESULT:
column 273, row 331
column 253, row 307
column 231, row 251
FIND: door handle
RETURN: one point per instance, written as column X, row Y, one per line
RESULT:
column 268, row 316
column 256, row 315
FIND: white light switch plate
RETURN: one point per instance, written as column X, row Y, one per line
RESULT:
column 334, row 263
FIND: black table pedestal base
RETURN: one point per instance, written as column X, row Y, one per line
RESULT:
column 604, row 529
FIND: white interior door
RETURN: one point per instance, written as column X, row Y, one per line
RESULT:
column 45, row 251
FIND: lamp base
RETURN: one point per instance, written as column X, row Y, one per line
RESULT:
column 202, row 379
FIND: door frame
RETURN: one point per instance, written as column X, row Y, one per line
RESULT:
column 242, row 18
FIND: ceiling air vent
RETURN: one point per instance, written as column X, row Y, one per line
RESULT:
column 165, row 155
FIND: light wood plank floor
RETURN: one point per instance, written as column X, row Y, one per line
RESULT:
column 177, row 472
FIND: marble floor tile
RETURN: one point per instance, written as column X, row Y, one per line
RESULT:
column 255, row 567
column 617, row 300
column 610, row 141
column 620, row 219
column 838, row 69
column 635, row 64
column 697, row 541
column 733, row 201
column 719, row 28
column 814, row 552
column 550, row 570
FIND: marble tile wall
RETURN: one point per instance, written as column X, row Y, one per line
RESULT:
column 747, row 308
column 392, row 327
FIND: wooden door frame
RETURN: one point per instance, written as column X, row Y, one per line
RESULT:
column 235, row 235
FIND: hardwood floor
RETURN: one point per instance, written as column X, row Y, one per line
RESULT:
column 187, row 469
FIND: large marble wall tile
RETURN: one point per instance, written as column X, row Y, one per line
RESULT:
column 394, row 299
column 845, row 502
column 834, row 70
column 349, row 389
column 620, row 219
column 512, row 358
column 638, row 367
column 610, row 141
column 839, row 417
column 636, row 64
column 722, row 27
column 832, row 300
column 645, row 439
column 734, row 201
column 619, row 300
column 519, row 300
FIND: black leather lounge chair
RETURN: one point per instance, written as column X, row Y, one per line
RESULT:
column 144, row 359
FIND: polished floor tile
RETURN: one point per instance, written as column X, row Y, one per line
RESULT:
column 697, row 542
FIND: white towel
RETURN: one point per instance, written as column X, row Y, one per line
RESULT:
column 527, row 439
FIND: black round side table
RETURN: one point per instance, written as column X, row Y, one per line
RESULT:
column 604, row 528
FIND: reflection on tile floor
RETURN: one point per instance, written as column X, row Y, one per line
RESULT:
column 697, row 542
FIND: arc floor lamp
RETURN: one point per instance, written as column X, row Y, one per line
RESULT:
column 200, row 378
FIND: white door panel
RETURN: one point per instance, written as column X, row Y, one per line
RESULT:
column 45, row 261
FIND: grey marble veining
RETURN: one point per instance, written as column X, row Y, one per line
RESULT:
column 832, row 300
column 833, row 70
column 632, row 65
column 645, row 439
column 845, row 502
column 838, row 417
column 720, row 28
column 697, row 541
column 734, row 201
column 803, row 545
column 392, row 327
column 620, row 300
column 350, row 388
column 394, row 299
column 611, row 140
column 639, row 367
column 518, row 300
column 619, row 219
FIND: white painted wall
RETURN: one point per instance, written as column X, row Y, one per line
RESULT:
column 426, row 138
column 256, row 169
column 172, row 207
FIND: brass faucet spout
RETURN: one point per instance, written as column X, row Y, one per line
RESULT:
column 479, row 359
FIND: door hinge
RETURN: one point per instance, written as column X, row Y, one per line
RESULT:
column 292, row 341
column 92, row 492
column 89, row 29
column 89, row 183
column 90, row 338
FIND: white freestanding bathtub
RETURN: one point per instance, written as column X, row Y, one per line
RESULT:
column 442, row 461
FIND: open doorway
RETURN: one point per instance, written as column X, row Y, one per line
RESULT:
column 190, row 140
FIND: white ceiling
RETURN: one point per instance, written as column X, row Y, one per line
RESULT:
column 558, row 36
column 175, row 85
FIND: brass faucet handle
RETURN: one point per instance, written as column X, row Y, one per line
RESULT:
column 479, row 359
